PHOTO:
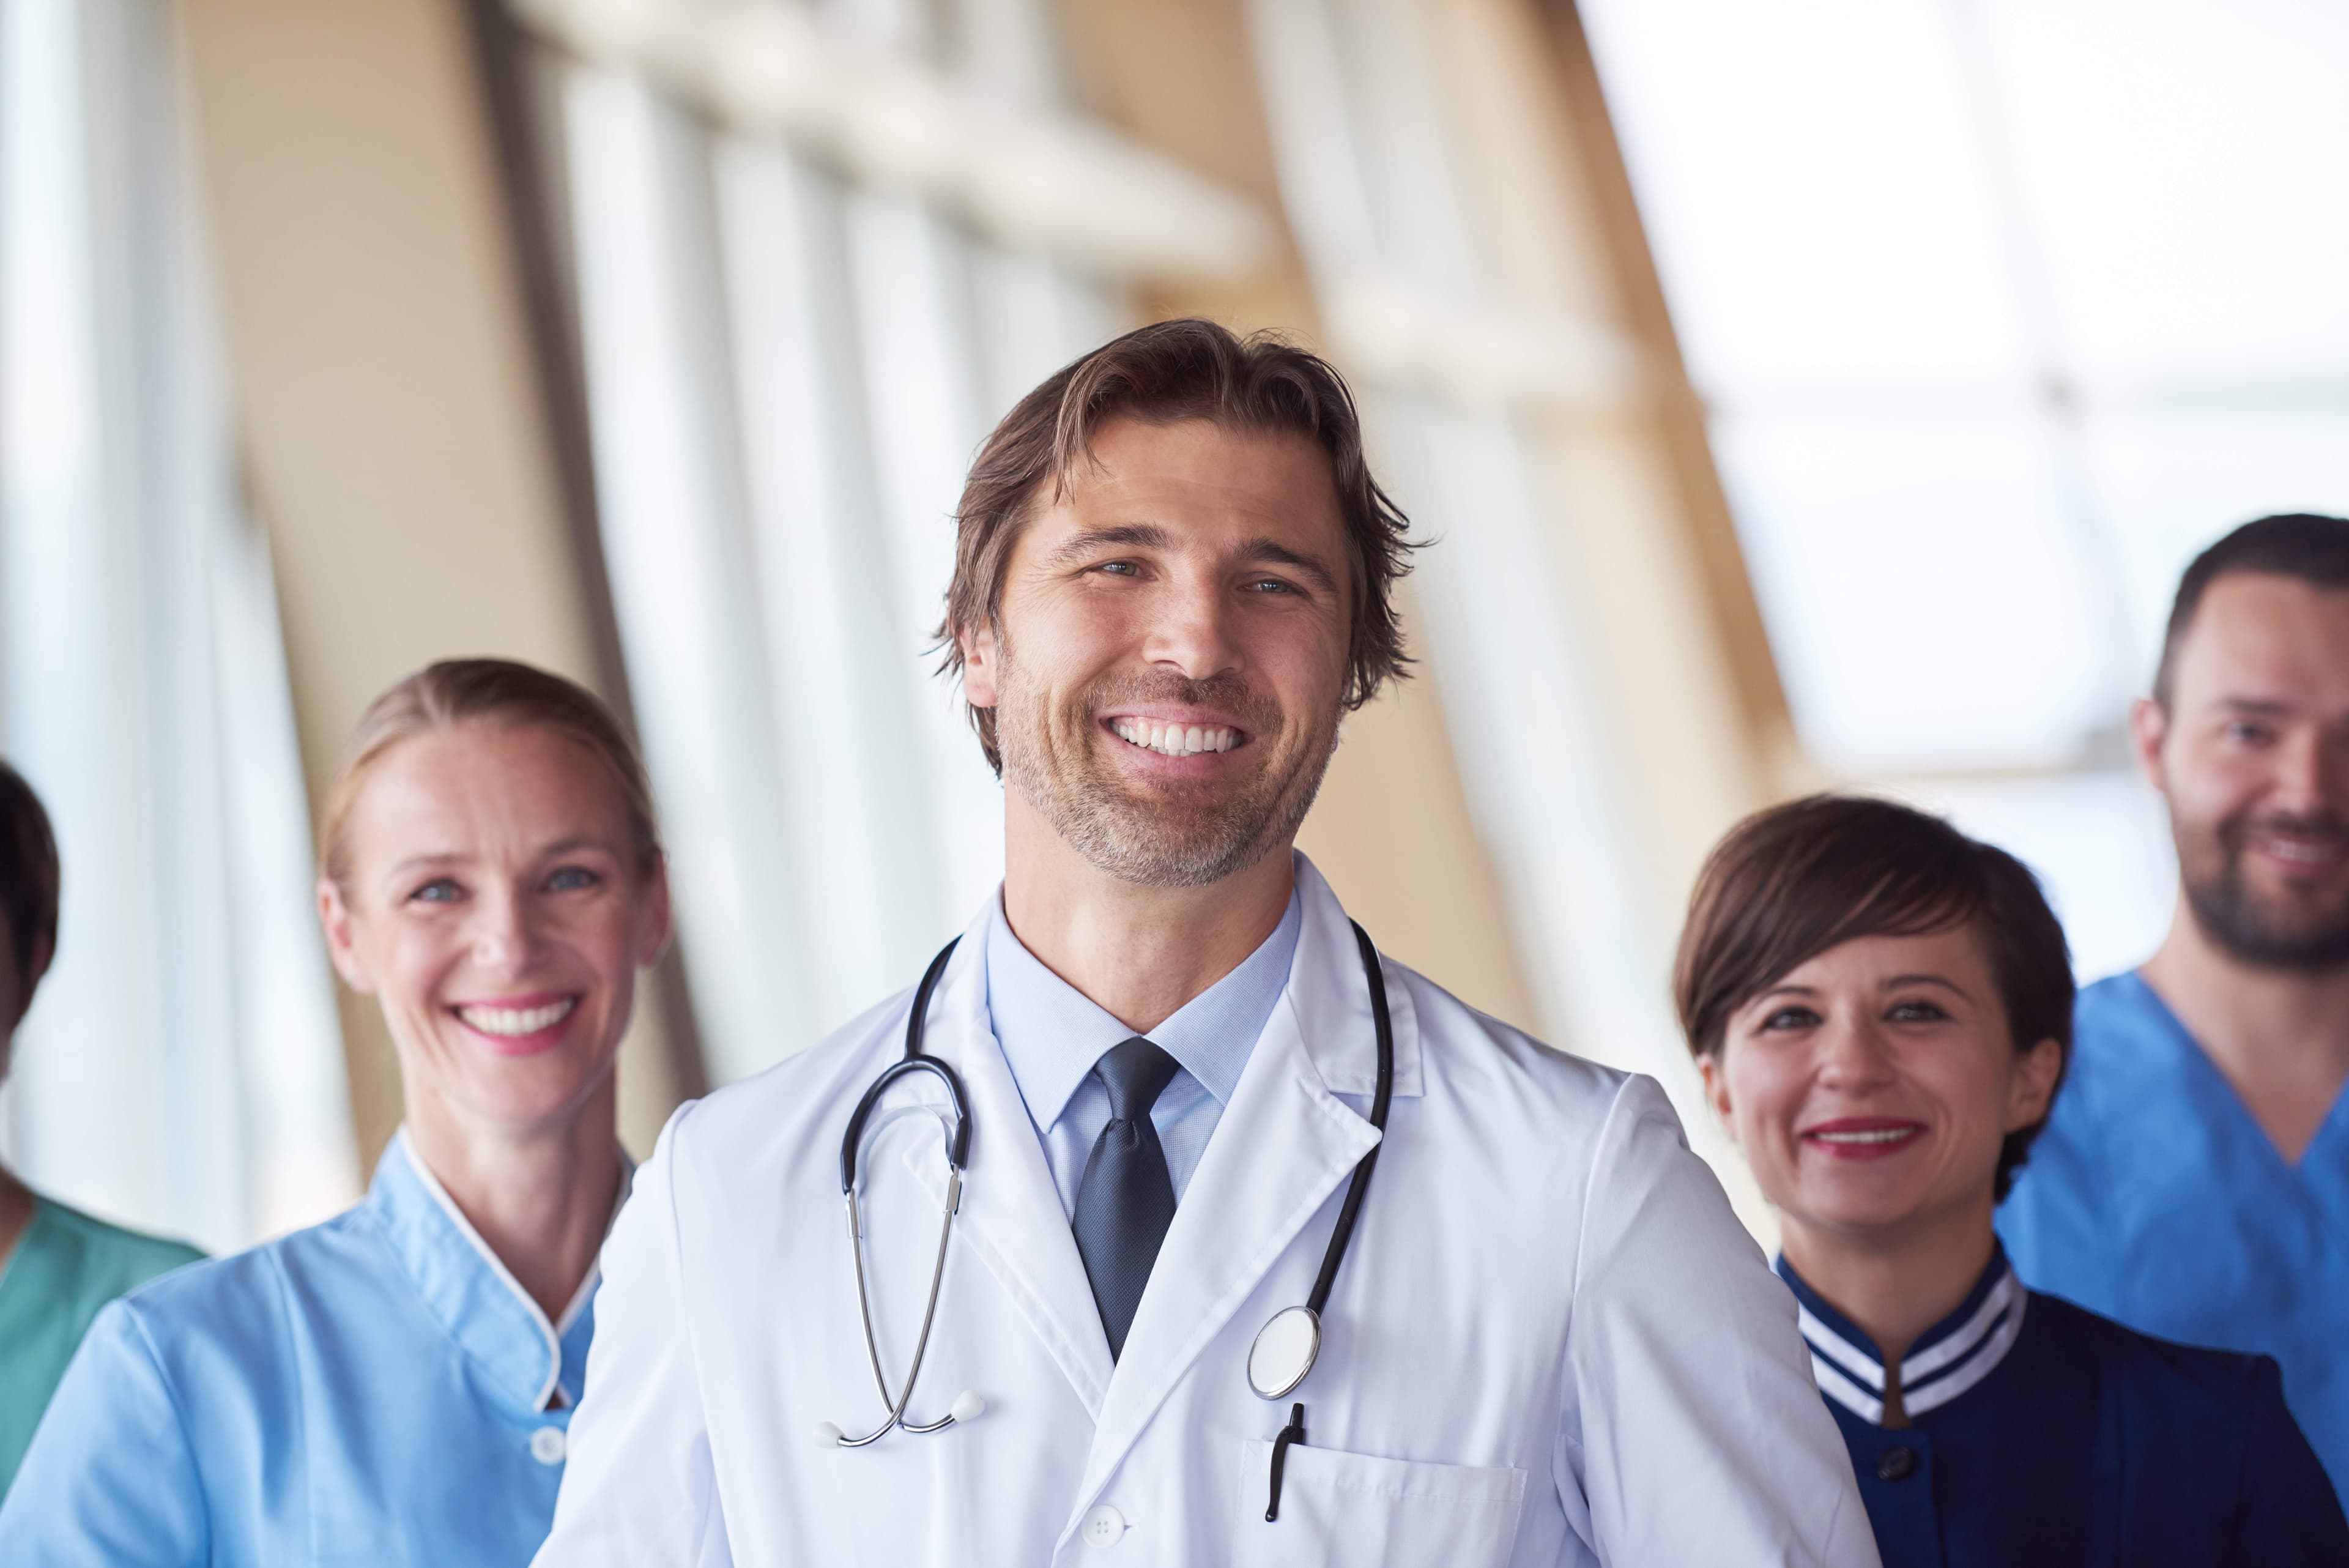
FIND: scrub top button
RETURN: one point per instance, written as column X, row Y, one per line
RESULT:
column 547, row 1445
column 1103, row 1527
column 1896, row 1464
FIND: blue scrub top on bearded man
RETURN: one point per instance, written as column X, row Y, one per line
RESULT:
column 2193, row 1181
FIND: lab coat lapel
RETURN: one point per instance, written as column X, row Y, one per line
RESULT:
column 1011, row 1216
column 1283, row 1146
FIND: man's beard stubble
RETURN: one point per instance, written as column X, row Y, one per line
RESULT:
column 1167, row 841
column 2248, row 924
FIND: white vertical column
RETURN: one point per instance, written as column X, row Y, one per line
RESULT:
column 183, row 1068
column 680, row 560
column 86, row 1111
column 866, row 840
column 923, row 389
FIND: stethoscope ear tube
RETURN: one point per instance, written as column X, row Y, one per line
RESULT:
column 913, row 1061
column 1381, row 1097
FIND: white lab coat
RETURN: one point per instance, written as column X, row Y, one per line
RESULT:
column 1550, row 1343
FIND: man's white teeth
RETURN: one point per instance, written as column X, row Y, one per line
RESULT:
column 1871, row 1135
column 2304, row 851
column 1175, row 740
column 518, row 1020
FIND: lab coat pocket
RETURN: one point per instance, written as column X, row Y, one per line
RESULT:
column 1359, row 1512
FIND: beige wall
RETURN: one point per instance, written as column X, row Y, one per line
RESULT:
column 390, row 425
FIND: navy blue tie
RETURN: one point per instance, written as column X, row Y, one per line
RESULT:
column 1126, row 1199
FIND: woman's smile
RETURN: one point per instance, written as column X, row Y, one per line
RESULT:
column 1862, row 1138
column 519, row 1025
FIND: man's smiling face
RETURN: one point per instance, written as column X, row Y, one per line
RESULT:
column 2252, row 750
column 1169, row 663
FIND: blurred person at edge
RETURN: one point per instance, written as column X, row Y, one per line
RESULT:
column 58, row 1265
column 395, row 1385
column 1882, row 1008
column 1551, row 1340
column 2194, row 1181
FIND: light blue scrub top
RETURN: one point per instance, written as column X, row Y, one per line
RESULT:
column 376, row 1389
column 2155, row 1198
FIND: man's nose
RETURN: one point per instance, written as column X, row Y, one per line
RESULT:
column 2311, row 775
column 1191, row 629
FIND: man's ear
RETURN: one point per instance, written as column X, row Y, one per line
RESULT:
column 2148, row 725
column 44, row 947
column 342, row 945
column 980, row 665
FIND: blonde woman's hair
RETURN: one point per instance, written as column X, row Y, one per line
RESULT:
column 439, row 696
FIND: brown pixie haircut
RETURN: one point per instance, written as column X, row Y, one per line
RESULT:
column 28, row 875
column 1791, row 882
column 1164, row 373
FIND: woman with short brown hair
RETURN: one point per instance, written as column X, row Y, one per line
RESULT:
column 395, row 1385
column 1882, row 1008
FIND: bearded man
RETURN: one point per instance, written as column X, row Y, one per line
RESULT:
column 1157, row 1312
column 2194, row 1180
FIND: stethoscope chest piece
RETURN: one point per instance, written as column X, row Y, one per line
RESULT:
column 1285, row 1350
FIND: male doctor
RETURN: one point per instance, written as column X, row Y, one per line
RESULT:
column 1549, row 1342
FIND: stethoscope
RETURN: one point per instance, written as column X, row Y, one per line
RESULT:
column 1286, row 1347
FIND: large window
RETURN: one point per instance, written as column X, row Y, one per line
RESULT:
column 182, row 1067
column 2000, row 308
column 814, row 262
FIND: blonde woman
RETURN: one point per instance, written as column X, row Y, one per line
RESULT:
column 394, row 1385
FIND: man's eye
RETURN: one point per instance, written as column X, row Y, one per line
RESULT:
column 2247, row 733
column 571, row 879
column 1271, row 585
column 439, row 890
column 1120, row 568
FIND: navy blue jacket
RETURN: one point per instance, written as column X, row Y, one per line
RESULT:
column 2042, row 1434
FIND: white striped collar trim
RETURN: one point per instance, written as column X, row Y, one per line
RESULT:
column 1949, row 1365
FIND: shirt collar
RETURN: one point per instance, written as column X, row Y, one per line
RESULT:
column 471, row 1293
column 1052, row 1034
column 1948, row 1359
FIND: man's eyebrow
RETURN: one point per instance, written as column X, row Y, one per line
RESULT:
column 1280, row 555
column 2262, row 705
column 1133, row 535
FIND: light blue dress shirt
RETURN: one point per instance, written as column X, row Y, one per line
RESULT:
column 1052, row 1035
column 376, row 1390
column 2153, row 1198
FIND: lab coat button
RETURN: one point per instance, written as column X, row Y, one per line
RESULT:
column 1103, row 1527
column 547, row 1445
column 1896, row 1464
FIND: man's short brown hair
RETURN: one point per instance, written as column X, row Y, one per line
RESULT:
column 28, row 871
column 1164, row 373
column 1791, row 882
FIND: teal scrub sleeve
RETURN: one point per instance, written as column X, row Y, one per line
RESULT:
column 112, row 1476
column 2291, row 1517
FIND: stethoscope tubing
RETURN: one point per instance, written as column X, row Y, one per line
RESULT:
column 957, row 1151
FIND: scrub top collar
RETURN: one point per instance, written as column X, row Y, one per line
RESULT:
column 1947, row 1360
column 1052, row 1034
column 471, row 1295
